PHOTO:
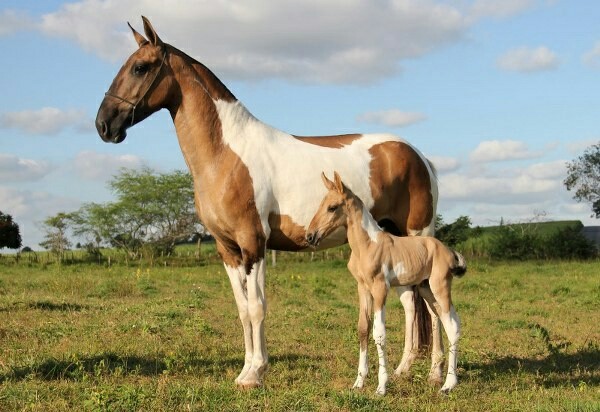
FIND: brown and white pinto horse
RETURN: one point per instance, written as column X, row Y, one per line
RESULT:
column 257, row 187
column 380, row 260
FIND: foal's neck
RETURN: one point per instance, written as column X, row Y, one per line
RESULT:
column 362, row 228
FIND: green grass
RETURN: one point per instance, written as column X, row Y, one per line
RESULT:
column 81, row 337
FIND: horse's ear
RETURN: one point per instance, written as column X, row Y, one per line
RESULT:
column 151, row 33
column 339, row 186
column 141, row 40
column 328, row 183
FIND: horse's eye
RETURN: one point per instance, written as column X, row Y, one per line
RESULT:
column 140, row 69
column 332, row 208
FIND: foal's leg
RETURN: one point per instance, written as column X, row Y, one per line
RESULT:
column 441, row 302
column 364, row 325
column 379, row 292
column 437, row 344
column 451, row 323
column 407, row 295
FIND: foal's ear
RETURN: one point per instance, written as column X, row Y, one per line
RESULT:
column 141, row 40
column 339, row 186
column 328, row 183
column 151, row 33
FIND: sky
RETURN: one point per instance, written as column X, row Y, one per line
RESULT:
column 499, row 94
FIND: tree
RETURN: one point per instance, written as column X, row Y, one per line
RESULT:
column 10, row 236
column 55, row 238
column 153, row 210
column 583, row 176
column 453, row 233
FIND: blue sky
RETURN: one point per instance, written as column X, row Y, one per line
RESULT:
column 500, row 94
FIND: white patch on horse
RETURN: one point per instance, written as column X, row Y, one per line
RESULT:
column 286, row 172
column 370, row 225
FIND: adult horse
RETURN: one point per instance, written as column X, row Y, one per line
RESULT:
column 257, row 187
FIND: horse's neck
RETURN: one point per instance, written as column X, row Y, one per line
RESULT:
column 197, row 116
column 362, row 228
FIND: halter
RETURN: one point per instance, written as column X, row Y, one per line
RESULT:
column 134, row 105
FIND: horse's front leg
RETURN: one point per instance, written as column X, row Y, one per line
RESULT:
column 238, row 280
column 247, row 276
column 257, row 307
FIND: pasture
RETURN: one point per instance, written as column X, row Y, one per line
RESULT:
column 127, row 338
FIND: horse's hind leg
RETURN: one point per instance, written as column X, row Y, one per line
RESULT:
column 407, row 296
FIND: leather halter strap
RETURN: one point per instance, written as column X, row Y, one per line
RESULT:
column 129, row 102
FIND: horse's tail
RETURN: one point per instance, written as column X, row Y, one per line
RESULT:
column 459, row 266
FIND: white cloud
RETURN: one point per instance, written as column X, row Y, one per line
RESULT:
column 29, row 208
column 392, row 118
column 45, row 121
column 499, row 150
column 528, row 60
column 12, row 21
column 578, row 147
column 592, row 57
column 494, row 189
column 444, row 164
column 99, row 166
column 548, row 170
column 312, row 41
column 16, row 169
column 498, row 8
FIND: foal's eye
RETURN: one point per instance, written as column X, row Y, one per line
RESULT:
column 332, row 208
column 140, row 69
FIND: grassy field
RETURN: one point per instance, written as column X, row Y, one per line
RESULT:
column 87, row 337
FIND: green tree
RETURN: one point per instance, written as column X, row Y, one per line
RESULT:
column 583, row 176
column 10, row 236
column 453, row 233
column 152, row 210
column 55, row 238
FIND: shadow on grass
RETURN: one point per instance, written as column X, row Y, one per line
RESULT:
column 76, row 368
column 558, row 369
column 45, row 305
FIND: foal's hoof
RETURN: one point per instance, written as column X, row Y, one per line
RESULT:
column 435, row 380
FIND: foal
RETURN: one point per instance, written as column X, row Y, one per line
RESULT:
column 379, row 261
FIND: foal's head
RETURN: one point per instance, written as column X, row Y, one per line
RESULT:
column 140, row 88
column 332, row 210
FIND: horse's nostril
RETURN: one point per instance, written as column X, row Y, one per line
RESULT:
column 102, row 127
column 310, row 237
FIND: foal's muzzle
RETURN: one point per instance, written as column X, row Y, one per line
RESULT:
column 313, row 239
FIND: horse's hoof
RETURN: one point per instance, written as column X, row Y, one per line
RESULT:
column 249, row 384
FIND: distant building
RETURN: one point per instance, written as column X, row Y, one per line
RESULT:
column 592, row 233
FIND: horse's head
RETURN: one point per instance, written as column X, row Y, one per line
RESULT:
column 332, row 211
column 140, row 88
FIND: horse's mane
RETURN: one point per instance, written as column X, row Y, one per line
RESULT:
column 213, row 85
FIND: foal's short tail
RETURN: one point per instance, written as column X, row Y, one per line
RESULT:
column 459, row 267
